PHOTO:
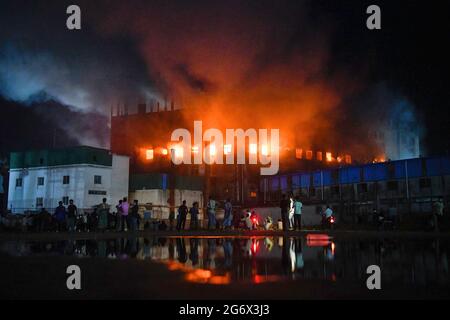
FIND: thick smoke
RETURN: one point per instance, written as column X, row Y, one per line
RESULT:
column 236, row 61
column 231, row 61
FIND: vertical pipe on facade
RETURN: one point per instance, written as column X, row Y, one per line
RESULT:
column 321, row 183
column 406, row 179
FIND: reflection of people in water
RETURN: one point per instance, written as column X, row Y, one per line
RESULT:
column 228, row 251
column 101, row 248
column 181, row 250
column 171, row 248
column 209, row 262
column 285, row 263
column 134, row 247
column 269, row 244
column 193, row 255
column 299, row 263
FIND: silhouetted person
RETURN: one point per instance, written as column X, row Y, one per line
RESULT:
column 284, row 206
column 228, row 217
column 119, row 222
column 71, row 216
column 211, row 213
column 103, row 212
column 194, row 211
column 182, row 213
column 60, row 216
column 134, row 216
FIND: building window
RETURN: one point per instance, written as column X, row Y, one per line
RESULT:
column 97, row 179
column 65, row 200
column 66, row 179
column 18, row 182
column 39, row 202
column 40, row 181
column 319, row 155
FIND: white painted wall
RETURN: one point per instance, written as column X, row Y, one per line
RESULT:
column 114, row 181
column 119, row 178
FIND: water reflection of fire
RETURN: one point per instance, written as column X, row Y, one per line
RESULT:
column 198, row 275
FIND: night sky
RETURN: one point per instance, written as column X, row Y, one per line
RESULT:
column 60, row 83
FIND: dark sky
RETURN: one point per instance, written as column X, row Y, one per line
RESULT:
column 134, row 51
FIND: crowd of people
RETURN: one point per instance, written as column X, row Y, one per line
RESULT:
column 127, row 217
column 70, row 218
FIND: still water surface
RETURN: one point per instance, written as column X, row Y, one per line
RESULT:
column 225, row 260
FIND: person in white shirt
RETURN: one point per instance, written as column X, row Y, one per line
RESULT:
column 291, row 212
column 328, row 212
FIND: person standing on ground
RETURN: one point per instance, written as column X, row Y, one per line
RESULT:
column 211, row 213
column 134, row 216
column 291, row 211
column 103, row 212
column 71, row 216
column 298, row 214
column 125, row 218
column 182, row 213
column 228, row 215
column 60, row 216
column 194, row 216
column 119, row 216
column 284, row 206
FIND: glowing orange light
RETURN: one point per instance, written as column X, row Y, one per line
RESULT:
column 149, row 154
column 319, row 155
column 348, row 159
column 253, row 148
column 227, row 149
column 195, row 149
column 164, row 151
column 329, row 156
column 298, row 153
column 309, row 155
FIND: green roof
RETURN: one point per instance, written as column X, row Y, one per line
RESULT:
column 60, row 157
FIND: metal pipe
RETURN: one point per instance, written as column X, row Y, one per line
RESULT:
column 406, row 179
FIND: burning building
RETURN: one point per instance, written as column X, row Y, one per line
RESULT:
column 145, row 136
